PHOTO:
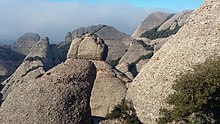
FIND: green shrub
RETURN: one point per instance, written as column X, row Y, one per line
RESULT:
column 125, row 111
column 114, row 63
column 154, row 34
column 196, row 92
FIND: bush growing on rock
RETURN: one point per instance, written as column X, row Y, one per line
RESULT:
column 197, row 96
column 125, row 111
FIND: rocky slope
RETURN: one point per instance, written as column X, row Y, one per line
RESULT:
column 116, row 41
column 137, row 52
column 9, row 61
column 35, row 64
column 153, row 20
column 197, row 40
column 25, row 43
column 161, row 25
column 61, row 96
column 179, row 19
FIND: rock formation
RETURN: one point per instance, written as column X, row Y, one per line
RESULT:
column 110, row 85
column 179, row 19
column 60, row 96
column 36, row 63
column 196, row 41
column 161, row 25
column 25, row 43
column 89, row 47
column 117, row 42
column 9, row 61
column 153, row 20
column 109, row 89
column 137, row 51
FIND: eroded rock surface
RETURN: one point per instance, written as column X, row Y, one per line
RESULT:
column 35, row 64
column 109, row 89
column 197, row 40
column 153, row 20
column 89, row 47
column 25, row 43
column 61, row 96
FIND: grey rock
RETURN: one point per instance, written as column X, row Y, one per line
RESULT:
column 151, row 21
column 109, row 89
column 117, row 41
column 9, row 61
column 89, row 47
column 25, row 43
column 137, row 51
column 36, row 63
column 158, row 43
column 179, row 19
column 196, row 41
column 68, row 37
column 61, row 96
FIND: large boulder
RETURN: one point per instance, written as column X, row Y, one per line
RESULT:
column 196, row 41
column 109, row 89
column 25, row 43
column 151, row 21
column 117, row 41
column 61, row 96
column 89, row 47
column 110, row 84
column 35, row 64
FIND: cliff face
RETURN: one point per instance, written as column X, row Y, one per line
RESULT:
column 197, row 40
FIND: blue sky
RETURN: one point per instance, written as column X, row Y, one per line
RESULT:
column 175, row 5
column 53, row 18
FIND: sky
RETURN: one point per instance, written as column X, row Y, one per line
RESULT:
column 54, row 18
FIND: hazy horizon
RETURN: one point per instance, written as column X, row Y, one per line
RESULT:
column 54, row 18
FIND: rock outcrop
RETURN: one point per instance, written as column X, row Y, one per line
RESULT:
column 196, row 41
column 153, row 20
column 157, row 26
column 25, row 43
column 137, row 51
column 60, row 96
column 109, row 89
column 36, row 63
column 110, row 84
column 116, row 41
column 9, row 61
column 179, row 19
column 89, row 47
column 158, row 43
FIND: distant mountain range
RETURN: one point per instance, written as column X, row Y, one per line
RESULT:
column 6, row 42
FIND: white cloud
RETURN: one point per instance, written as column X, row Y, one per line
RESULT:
column 54, row 19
